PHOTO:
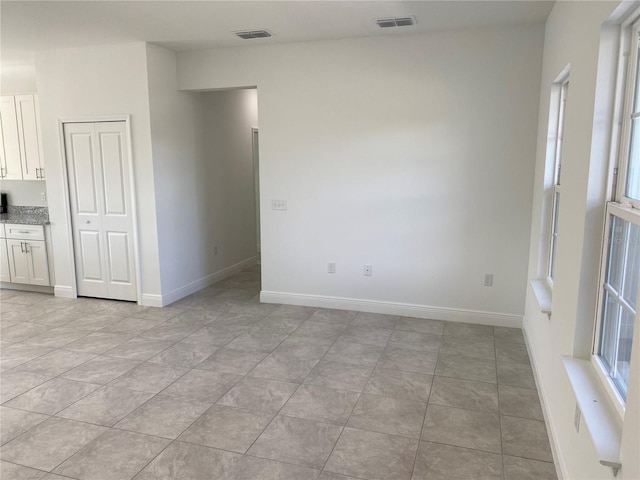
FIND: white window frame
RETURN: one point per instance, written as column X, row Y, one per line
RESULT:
column 630, row 43
column 563, row 86
column 621, row 206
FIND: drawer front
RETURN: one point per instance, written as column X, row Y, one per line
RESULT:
column 2, row 234
column 24, row 232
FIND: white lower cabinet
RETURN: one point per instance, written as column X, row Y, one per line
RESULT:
column 27, row 258
column 4, row 262
column 18, row 263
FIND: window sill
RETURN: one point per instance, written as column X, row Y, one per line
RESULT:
column 542, row 291
column 599, row 415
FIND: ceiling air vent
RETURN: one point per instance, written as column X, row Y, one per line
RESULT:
column 396, row 22
column 248, row 34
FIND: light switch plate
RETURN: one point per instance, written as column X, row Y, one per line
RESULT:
column 278, row 204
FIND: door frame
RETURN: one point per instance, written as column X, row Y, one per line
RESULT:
column 256, row 188
column 132, row 190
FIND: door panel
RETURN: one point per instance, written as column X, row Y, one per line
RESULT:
column 99, row 186
column 10, row 142
column 84, row 181
column 18, row 263
column 119, row 265
column 37, row 263
column 113, row 173
column 91, row 255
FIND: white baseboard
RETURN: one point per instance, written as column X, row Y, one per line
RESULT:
column 25, row 288
column 181, row 292
column 151, row 300
column 391, row 308
column 558, row 458
column 64, row 291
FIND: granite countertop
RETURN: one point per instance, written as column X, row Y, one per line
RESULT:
column 25, row 215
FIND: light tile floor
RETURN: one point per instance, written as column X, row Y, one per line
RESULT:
column 220, row 386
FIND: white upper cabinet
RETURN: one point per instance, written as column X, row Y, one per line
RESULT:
column 20, row 151
column 10, row 161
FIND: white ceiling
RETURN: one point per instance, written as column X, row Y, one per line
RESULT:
column 29, row 26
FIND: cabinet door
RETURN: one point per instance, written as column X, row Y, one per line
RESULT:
column 10, row 148
column 4, row 262
column 37, row 262
column 18, row 263
column 28, row 135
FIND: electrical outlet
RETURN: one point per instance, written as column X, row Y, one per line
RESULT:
column 43, row 196
column 215, row 249
column 576, row 418
column 368, row 270
column 488, row 279
column 278, row 204
column 331, row 267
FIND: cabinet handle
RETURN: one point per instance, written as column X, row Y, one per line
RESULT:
column 24, row 231
column 37, row 173
column 42, row 173
column 21, row 247
column 26, row 249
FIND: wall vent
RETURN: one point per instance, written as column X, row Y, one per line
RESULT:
column 248, row 34
column 396, row 22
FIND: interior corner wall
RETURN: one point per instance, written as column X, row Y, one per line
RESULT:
column 203, row 176
column 89, row 82
column 573, row 37
column 414, row 154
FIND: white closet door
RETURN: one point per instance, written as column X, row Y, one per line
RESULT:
column 99, row 189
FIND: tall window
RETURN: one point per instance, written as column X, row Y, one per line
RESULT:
column 557, row 164
column 620, row 272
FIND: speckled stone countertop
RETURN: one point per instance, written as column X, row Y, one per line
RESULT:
column 25, row 215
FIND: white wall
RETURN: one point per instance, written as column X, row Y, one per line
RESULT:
column 24, row 192
column 414, row 154
column 88, row 82
column 17, row 78
column 203, row 178
column 573, row 37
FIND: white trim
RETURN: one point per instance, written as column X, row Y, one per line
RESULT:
column 599, row 415
column 392, row 308
column 610, row 388
column 64, row 291
column 152, row 300
column 132, row 187
column 543, row 293
column 25, row 287
column 630, row 38
column 558, row 458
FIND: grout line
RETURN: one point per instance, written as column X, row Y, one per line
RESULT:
column 424, row 418
column 355, row 404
